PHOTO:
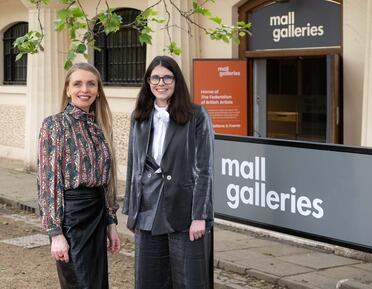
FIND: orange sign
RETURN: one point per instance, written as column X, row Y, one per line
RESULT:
column 221, row 87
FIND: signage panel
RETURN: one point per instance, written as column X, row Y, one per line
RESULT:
column 321, row 190
column 296, row 24
column 221, row 86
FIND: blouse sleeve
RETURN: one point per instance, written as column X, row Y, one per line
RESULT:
column 112, row 206
column 50, row 179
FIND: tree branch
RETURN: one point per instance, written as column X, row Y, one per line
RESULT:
column 73, row 19
column 168, row 21
column 187, row 17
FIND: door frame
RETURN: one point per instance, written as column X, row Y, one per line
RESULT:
column 336, row 135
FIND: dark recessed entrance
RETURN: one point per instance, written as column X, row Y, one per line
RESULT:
column 297, row 98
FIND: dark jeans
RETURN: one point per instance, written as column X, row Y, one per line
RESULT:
column 172, row 261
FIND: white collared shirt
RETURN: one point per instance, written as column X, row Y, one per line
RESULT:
column 160, row 125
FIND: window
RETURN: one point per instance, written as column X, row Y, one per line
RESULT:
column 15, row 72
column 121, row 60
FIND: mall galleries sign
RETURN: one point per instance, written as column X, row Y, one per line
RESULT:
column 295, row 24
column 220, row 85
column 321, row 191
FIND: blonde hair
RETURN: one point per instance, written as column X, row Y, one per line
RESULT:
column 104, row 120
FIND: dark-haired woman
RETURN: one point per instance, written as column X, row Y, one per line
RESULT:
column 168, row 196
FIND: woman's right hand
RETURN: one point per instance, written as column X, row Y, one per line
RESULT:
column 59, row 248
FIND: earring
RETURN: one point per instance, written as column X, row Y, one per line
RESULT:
column 68, row 95
column 97, row 95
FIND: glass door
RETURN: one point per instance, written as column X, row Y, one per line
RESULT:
column 301, row 102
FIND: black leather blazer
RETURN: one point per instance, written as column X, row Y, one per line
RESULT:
column 187, row 168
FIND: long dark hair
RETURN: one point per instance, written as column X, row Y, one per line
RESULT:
column 179, row 106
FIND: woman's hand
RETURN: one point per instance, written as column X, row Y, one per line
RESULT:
column 113, row 242
column 59, row 248
column 197, row 229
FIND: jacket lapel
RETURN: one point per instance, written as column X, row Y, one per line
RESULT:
column 144, row 134
column 169, row 134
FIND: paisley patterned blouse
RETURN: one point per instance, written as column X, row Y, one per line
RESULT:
column 72, row 153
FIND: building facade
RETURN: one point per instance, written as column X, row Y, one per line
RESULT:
column 303, row 83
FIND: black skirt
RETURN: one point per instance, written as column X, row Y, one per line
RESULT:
column 84, row 227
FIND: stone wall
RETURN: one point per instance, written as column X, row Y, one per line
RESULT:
column 12, row 126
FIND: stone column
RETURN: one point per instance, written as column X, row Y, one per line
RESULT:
column 45, row 77
column 366, row 138
column 188, row 43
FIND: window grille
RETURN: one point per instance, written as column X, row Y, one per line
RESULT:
column 121, row 59
column 15, row 72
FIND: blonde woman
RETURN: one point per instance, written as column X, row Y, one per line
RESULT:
column 77, row 181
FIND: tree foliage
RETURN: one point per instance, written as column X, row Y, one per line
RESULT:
column 81, row 27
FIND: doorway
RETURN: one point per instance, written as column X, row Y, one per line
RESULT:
column 295, row 97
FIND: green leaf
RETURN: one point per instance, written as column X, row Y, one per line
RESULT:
column 68, row 64
column 242, row 33
column 72, row 33
column 81, row 48
column 149, row 12
column 77, row 12
column 145, row 39
column 63, row 14
column 59, row 25
column 110, row 21
column 71, row 55
column 146, row 30
column 203, row 11
column 195, row 4
column 174, row 49
column 19, row 56
column 158, row 20
column 216, row 19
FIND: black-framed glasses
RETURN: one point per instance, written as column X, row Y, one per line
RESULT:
column 155, row 79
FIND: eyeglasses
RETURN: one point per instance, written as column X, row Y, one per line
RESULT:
column 155, row 79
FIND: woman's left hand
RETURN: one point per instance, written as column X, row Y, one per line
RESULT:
column 113, row 242
column 197, row 229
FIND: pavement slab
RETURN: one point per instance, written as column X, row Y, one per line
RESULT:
column 224, row 235
column 281, row 250
column 247, row 243
column 29, row 242
column 352, row 284
column 309, row 280
column 364, row 266
column 348, row 272
column 318, row 260
column 236, row 255
column 223, row 245
column 273, row 266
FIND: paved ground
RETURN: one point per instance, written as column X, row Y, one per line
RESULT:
column 241, row 253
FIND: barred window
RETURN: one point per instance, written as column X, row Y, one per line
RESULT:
column 15, row 72
column 121, row 59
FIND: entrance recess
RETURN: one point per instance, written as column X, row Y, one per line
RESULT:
column 296, row 98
